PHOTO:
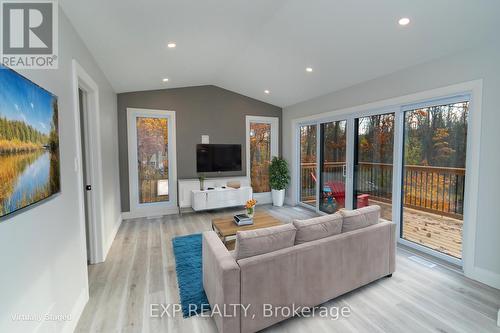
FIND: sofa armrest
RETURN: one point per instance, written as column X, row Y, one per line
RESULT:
column 221, row 281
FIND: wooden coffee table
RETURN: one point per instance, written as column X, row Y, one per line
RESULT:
column 226, row 227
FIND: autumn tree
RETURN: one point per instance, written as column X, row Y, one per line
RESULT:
column 152, row 140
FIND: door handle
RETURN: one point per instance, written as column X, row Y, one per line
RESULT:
column 88, row 187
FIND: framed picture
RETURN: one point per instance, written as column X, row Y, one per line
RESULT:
column 29, row 144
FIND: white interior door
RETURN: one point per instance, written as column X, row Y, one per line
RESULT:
column 262, row 144
column 152, row 162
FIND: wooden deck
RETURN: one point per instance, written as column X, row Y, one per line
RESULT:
column 431, row 230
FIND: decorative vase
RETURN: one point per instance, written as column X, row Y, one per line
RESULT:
column 250, row 212
column 202, row 185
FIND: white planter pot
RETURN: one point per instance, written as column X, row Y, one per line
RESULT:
column 278, row 197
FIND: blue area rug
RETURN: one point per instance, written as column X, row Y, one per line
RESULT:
column 188, row 265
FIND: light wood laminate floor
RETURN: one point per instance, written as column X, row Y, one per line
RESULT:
column 140, row 270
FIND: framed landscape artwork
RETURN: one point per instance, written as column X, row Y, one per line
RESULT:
column 29, row 143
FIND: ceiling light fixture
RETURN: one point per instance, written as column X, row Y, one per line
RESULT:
column 404, row 21
column 165, row 80
column 309, row 69
column 267, row 91
column 171, row 45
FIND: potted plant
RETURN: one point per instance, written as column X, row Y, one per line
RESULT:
column 279, row 178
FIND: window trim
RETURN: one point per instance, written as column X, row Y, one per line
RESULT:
column 158, row 208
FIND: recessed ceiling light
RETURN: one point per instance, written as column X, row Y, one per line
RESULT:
column 267, row 91
column 404, row 21
column 309, row 69
column 165, row 80
column 171, row 45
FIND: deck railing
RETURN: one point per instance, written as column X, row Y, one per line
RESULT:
column 307, row 181
column 434, row 189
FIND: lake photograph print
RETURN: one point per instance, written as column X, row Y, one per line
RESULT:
column 29, row 143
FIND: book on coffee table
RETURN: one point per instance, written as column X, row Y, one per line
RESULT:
column 243, row 219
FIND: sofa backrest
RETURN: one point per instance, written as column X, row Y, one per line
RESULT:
column 360, row 218
column 259, row 241
column 317, row 228
column 254, row 242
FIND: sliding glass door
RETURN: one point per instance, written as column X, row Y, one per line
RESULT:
column 435, row 141
column 333, row 159
column 408, row 159
column 308, row 164
column 373, row 162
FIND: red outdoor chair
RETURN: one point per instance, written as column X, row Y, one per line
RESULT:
column 338, row 192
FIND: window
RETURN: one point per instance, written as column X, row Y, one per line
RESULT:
column 152, row 171
column 409, row 159
column 373, row 166
column 308, row 164
column 262, row 145
column 435, row 141
column 152, row 159
column 333, row 160
column 260, row 156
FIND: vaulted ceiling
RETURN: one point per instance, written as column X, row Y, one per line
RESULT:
column 249, row 46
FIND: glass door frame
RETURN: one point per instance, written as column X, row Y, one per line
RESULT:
column 155, row 208
column 399, row 106
column 349, row 159
column 298, row 162
column 399, row 168
column 348, row 175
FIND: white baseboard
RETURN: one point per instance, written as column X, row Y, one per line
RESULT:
column 482, row 275
column 111, row 237
column 77, row 311
column 263, row 198
column 290, row 202
column 145, row 214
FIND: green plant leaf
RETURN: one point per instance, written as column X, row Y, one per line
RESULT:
column 279, row 176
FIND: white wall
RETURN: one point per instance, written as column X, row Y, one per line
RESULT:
column 43, row 267
column 483, row 64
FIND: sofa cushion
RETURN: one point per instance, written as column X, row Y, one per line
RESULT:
column 250, row 243
column 317, row 228
column 360, row 218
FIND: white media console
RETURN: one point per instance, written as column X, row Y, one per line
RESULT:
column 220, row 196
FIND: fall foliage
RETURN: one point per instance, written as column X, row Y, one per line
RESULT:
column 152, row 154
column 260, row 156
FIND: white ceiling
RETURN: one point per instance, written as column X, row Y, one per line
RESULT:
column 248, row 46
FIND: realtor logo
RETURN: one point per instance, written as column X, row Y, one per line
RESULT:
column 29, row 34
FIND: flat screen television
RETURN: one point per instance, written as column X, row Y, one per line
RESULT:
column 217, row 158
column 29, row 144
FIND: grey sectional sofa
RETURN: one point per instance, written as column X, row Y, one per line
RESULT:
column 302, row 264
